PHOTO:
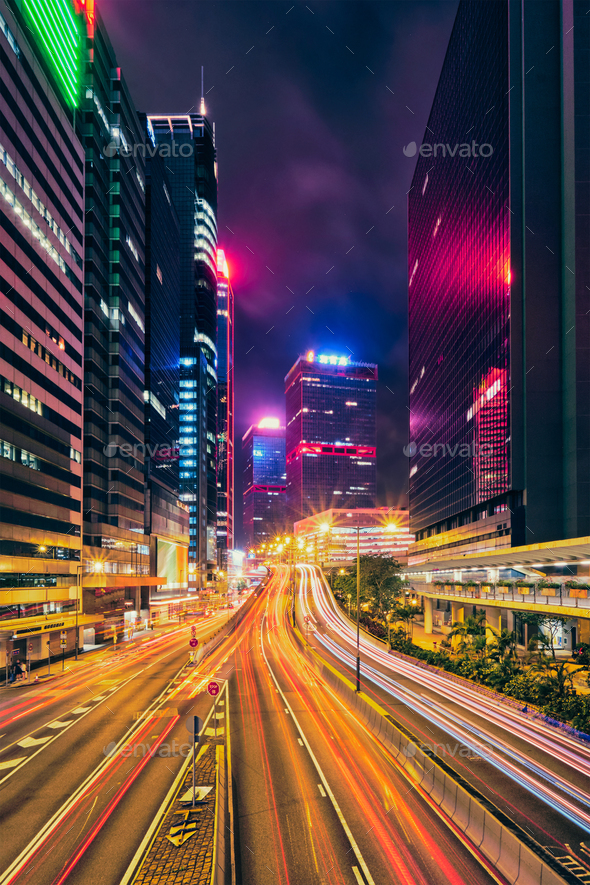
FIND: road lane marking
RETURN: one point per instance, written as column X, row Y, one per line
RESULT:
column 322, row 791
column 32, row 742
column 325, row 783
column 58, row 724
column 358, row 876
column 79, row 710
column 11, row 763
column 88, row 784
column 300, row 741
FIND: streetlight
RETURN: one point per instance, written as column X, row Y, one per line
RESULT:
column 388, row 619
column 358, row 599
column 79, row 570
column 349, row 595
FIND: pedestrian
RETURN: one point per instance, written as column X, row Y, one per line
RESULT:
column 12, row 675
column 24, row 669
column 19, row 670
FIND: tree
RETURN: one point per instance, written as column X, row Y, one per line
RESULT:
column 503, row 644
column 380, row 586
column 555, row 680
column 467, row 631
column 546, row 629
column 405, row 614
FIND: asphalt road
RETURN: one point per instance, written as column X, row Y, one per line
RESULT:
column 73, row 807
column 334, row 639
column 318, row 799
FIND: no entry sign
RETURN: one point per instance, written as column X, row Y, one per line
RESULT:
column 193, row 642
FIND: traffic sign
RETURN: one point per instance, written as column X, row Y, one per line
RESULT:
column 30, row 646
column 193, row 642
column 306, row 619
column 213, row 689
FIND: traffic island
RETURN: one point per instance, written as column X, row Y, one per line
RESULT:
column 191, row 843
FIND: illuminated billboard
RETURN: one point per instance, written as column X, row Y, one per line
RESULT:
column 57, row 31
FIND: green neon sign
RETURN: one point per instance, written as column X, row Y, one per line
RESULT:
column 58, row 33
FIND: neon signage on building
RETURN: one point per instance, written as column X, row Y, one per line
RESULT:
column 326, row 359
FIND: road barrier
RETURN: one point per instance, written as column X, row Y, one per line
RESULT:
column 518, row 857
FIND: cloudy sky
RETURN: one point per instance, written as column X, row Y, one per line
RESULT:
column 312, row 105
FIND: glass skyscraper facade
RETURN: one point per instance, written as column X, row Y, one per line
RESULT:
column 225, row 410
column 166, row 517
column 187, row 142
column 459, row 282
column 330, row 434
column 264, row 479
column 497, row 271
column 41, row 349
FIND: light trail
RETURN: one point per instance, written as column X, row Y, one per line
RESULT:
column 28, row 866
column 441, row 717
column 363, row 767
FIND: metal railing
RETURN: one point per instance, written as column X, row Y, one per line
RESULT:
column 537, row 595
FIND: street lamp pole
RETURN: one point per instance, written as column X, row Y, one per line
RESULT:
column 79, row 570
column 358, row 607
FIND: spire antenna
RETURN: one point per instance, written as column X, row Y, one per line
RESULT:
column 202, row 90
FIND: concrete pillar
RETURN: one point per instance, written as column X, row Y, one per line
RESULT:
column 457, row 612
column 493, row 619
column 510, row 620
column 427, row 614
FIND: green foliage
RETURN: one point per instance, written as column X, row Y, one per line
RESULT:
column 380, row 584
column 373, row 627
column 523, row 687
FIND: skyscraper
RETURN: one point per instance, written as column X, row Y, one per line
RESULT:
column 41, row 314
column 264, row 481
column 225, row 411
column 498, row 299
column 166, row 517
column 331, row 449
column 116, row 547
column 187, row 142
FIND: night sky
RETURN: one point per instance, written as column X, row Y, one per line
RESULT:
column 310, row 126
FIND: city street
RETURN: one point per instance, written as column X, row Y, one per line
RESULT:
column 319, row 799
column 510, row 758
column 68, row 794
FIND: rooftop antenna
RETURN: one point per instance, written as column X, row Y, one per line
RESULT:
column 202, row 90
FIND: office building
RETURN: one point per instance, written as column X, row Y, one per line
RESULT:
column 225, row 411
column 187, row 142
column 264, row 481
column 41, row 313
column 330, row 538
column 166, row 516
column 330, row 434
column 116, row 548
column 499, row 309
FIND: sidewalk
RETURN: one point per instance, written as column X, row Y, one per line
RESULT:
column 88, row 655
